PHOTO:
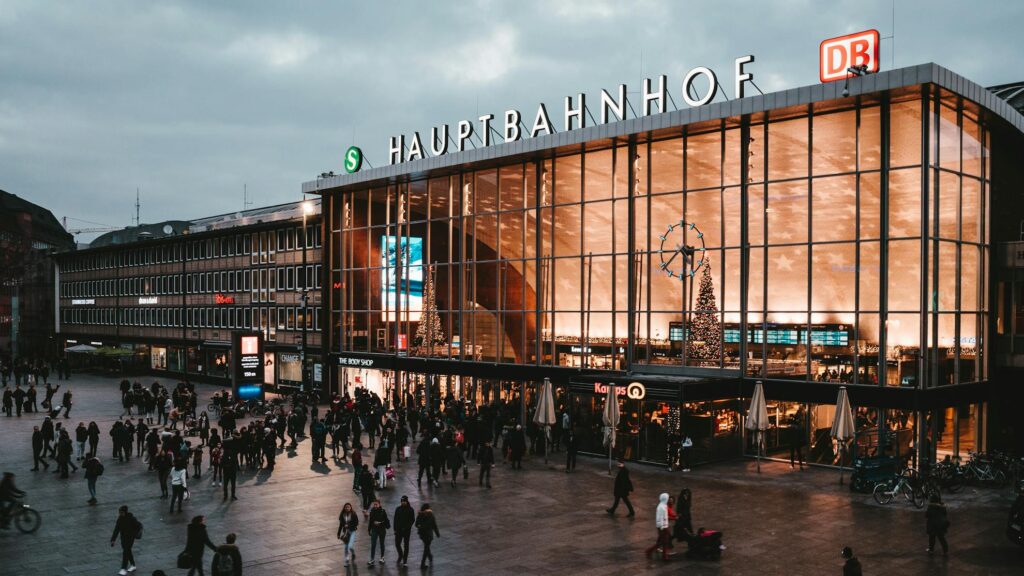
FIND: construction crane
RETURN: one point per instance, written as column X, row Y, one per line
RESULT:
column 76, row 231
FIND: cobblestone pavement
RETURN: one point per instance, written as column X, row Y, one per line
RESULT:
column 537, row 521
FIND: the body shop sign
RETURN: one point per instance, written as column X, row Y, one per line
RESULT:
column 247, row 354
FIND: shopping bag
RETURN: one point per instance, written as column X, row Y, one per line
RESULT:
column 406, row 452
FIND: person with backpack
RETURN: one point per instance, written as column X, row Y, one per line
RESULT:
column 405, row 519
column 196, row 542
column 366, row 488
column 130, row 530
column 93, row 470
column 227, row 561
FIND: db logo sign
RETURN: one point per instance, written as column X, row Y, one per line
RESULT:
column 839, row 54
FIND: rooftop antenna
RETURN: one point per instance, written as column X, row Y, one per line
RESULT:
column 245, row 197
column 137, row 221
column 892, row 37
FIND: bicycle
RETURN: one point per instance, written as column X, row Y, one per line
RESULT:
column 904, row 484
column 981, row 469
column 25, row 518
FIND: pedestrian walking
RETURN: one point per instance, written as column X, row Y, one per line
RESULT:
column 93, row 470
column 796, row 442
column 227, row 561
column 423, row 458
column 426, row 527
column 196, row 542
column 405, row 519
column 229, row 468
column 66, row 403
column 128, row 528
column 179, row 483
column 517, row 446
column 937, row 523
column 571, row 447
column 623, row 487
column 852, row 566
column 366, row 487
column 683, row 529
column 454, row 460
column 94, row 438
column 164, row 463
column 664, row 539
column 377, row 525
column 486, row 456
column 348, row 525
column 81, row 437
column 38, row 450
column 685, row 450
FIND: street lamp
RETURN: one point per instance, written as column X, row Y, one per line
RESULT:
column 307, row 209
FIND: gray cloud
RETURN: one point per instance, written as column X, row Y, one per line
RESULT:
column 192, row 100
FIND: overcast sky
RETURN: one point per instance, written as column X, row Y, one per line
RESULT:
column 191, row 101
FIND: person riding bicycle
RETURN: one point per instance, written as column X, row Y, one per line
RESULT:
column 9, row 494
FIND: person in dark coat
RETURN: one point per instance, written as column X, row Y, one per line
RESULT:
column 517, row 446
column 127, row 527
column 366, row 488
column 486, row 458
column 796, row 442
column 66, row 403
column 436, row 459
column 405, row 519
column 9, row 402
column 38, row 450
column 423, row 457
column 852, row 566
column 454, row 460
column 348, row 525
column 47, row 431
column 227, row 550
column 196, row 543
column 19, row 399
column 94, row 437
column 683, row 530
column 377, row 525
column 622, row 489
column 937, row 523
column 426, row 526
column 571, row 447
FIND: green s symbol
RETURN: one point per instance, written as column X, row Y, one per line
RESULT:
column 353, row 159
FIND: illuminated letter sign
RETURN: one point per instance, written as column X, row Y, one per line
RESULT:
column 837, row 55
column 221, row 299
column 149, row 300
column 353, row 159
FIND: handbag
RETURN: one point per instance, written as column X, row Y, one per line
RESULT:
column 687, row 443
column 184, row 560
column 389, row 472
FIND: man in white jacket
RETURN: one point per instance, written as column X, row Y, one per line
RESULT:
column 661, row 523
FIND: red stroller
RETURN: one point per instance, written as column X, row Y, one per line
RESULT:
column 706, row 545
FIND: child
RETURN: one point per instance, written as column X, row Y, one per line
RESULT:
column 197, row 461
column 215, row 454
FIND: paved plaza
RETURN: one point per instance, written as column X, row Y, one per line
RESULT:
column 537, row 521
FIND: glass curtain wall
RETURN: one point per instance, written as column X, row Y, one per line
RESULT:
column 856, row 211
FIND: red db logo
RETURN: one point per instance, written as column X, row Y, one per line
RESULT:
column 839, row 54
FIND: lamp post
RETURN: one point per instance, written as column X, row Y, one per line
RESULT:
column 307, row 209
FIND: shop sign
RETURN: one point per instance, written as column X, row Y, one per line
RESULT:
column 83, row 301
column 837, row 55
column 654, row 99
column 149, row 300
column 96, row 343
column 221, row 299
column 357, row 362
column 289, row 358
column 353, row 159
column 318, row 373
column 634, row 390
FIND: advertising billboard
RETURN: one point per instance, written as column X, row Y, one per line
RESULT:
column 408, row 295
column 248, row 370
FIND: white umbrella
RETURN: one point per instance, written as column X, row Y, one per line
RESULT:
column 843, row 426
column 610, row 417
column 757, row 418
column 81, row 348
column 545, row 414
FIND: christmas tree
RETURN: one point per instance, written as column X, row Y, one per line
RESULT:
column 705, row 342
column 429, row 333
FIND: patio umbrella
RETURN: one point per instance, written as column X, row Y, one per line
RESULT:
column 843, row 426
column 757, row 419
column 544, row 416
column 610, row 417
column 81, row 348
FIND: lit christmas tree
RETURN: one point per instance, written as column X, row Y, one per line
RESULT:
column 705, row 341
column 429, row 333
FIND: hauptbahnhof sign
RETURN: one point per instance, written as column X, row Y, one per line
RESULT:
column 653, row 100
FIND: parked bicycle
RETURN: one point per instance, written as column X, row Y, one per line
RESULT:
column 980, row 468
column 907, row 483
column 25, row 518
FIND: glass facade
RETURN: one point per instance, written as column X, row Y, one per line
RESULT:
column 843, row 241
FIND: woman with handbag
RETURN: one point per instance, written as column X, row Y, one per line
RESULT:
column 195, row 544
column 937, row 523
column 348, row 525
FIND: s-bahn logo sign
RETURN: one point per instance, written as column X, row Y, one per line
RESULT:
column 612, row 106
column 633, row 391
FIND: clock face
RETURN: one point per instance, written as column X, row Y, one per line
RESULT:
column 678, row 258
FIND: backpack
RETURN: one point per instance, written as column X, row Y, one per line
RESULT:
column 225, row 564
column 138, row 529
column 99, row 468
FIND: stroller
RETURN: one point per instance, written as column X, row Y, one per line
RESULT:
column 705, row 545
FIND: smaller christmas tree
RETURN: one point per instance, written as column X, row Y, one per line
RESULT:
column 705, row 339
column 429, row 333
